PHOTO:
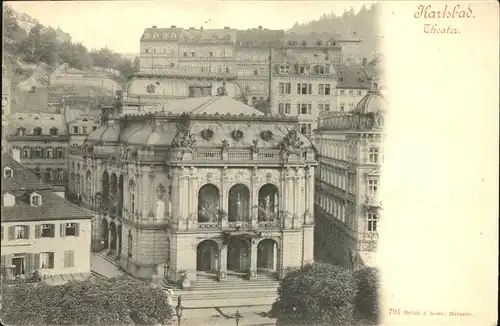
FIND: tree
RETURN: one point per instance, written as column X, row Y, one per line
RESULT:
column 367, row 299
column 114, row 301
column 316, row 294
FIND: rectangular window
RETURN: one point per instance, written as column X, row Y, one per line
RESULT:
column 21, row 232
column 288, row 88
column 327, row 89
column 321, row 70
column 184, row 54
column 372, row 187
column 310, row 89
column 351, row 92
column 342, row 106
column 193, row 54
column 304, row 88
column 75, row 129
column 59, row 152
column 302, row 70
column 48, row 152
column 298, row 108
column 371, row 220
column 210, row 54
column 327, row 107
column 47, row 230
column 303, row 129
column 69, row 258
column 309, row 128
column 304, row 108
column 298, row 88
column 262, row 71
column 373, row 155
column 342, row 92
column 26, row 152
column 351, row 106
column 84, row 129
column 228, row 70
column 46, row 260
column 281, row 108
column 359, row 93
column 309, row 109
column 288, row 109
column 94, row 127
column 321, row 89
column 69, row 230
column 282, row 88
column 320, row 107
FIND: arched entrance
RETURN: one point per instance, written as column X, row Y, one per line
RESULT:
column 105, row 190
column 268, row 202
column 238, row 255
column 208, row 203
column 239, row 203
column 267, row 255
column 114, row 238
column 207, row 254
column 104, row 233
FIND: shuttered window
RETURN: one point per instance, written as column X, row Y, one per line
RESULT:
column 70, row 229
column 69, row 258
column 45, row 231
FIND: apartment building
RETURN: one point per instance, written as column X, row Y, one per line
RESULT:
column 303, row 88
column 352, row 85
column 40, row 230
column 347, row 210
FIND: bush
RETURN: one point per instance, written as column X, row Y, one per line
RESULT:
column 316, row 294
column 367, row 299
column 115, row 301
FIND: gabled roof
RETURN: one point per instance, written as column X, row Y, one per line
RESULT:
column 29, row 121
column 23, row 184
column 22, row 178
column 210, row 105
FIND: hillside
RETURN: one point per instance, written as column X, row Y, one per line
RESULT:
column 364, row 23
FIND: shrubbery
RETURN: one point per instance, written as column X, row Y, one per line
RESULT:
column 116, row 301
column 325, row 294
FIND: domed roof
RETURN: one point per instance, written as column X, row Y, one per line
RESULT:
column 372, row 102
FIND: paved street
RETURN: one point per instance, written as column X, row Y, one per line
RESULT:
column 103, row 266
column 224, row 316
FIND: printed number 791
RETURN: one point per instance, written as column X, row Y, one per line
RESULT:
column 393, row 311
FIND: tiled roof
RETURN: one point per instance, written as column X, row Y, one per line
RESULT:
column 260, row 38
column 352, row 77
column 311, row 39
column 53, row 207
column 32, row 120
column 22, row 178
column 21, row 185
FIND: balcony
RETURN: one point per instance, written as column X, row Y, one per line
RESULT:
column 372, row 201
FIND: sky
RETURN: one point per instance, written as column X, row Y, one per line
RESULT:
column 120, row 24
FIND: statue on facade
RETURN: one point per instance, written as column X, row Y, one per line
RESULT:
column 185, row 139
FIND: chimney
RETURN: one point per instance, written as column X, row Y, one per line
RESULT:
column 154, row 26
column 16, row 154
column 260, row 27
column 201, row 28
column 364, row 61
column 226, row 27
column 191, row 28
column 173, row 26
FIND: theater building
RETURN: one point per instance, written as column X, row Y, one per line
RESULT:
column 207, row 185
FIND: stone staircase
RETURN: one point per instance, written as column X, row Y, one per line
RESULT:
column 234, row 291
column 110, row 258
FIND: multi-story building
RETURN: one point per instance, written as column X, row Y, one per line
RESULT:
column 303, row 88
column 254, row 55
column 42, row 140
column 350, row 146
column 40, row 229
column 352, row 85
column 210, row 185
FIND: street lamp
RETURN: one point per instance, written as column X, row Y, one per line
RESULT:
column 237, row 316
column 178, row 310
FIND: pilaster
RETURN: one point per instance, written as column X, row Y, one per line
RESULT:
column 223, row 197
column 253, row 260
column 222, row 273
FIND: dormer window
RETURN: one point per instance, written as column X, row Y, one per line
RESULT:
column 37, row 131
column 8, row 200
column 173, row 36
column 35, row 199
column 54, row 131
column 21, row 131
column 304, row 43
column 155, row 35
column 8, row 173
column 146, row 36
column 319, row 43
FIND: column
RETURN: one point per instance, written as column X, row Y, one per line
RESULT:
column 253, row 260
column 223, row 198
column 109, row 236
column 222, row 273
column 254, row 200
column 289, row 203
column 275, row 256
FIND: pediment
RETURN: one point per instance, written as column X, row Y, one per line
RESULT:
column 374, row 173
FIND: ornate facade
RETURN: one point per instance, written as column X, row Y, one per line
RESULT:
column 208, row 185
column 348, row 182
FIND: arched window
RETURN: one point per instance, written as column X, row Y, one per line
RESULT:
column 129, row 244
column 239, row 203
column 37, row 131
column 268, row 203
column 89, row 184
column 208, row 203
column 21, row 131
column 131, row 189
